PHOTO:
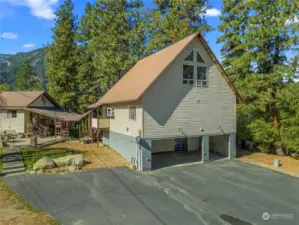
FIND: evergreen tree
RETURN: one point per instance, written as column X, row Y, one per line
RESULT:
column 236, row 58
column 89, row 86
column 61, row 59
column 4, row 87
column 173, row 20
column 255, row 51
column 26, row 80
column 117, row 39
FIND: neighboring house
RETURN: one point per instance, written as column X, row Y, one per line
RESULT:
column 19, row 110
column 178, row 99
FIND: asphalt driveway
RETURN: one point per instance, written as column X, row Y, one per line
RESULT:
column 220, row 192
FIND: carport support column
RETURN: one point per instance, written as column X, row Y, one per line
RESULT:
column 232, row 150
column 205, row 148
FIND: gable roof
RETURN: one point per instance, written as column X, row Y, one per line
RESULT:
column 22, row 99
column 145, row 72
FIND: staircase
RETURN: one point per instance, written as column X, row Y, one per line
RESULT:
column 12, row 162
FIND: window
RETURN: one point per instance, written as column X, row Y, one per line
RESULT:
column 195, row 64
column 188, row 71
column 110, row 112
column 12, row 114
column 132, row 112
column 199, row 58
column 201, row 76
column 189, row 57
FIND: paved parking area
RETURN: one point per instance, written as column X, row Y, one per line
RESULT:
column 219, row 192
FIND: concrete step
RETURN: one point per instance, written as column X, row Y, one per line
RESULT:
column 12, row 170
column 16, row 173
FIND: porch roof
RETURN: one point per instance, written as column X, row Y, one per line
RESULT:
column 59, row 114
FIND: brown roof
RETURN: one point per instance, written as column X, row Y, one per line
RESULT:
column 59, row 114
column 19, row 99
column 145, row 72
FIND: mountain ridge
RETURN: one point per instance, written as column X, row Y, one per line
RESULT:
column 10, row 64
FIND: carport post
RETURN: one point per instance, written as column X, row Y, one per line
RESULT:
column 205, row 148
column 232, row 151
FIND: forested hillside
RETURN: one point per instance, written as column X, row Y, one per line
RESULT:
column 10, row 64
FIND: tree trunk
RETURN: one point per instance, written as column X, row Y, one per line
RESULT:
column 277, row 144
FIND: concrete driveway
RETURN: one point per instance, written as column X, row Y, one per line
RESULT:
column 220, row 192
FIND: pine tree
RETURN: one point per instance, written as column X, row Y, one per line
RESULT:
column 117, row 39
column 61, row 59
column 236, row 58
column 26, row 80
column 173, row 20
column 89, row 87
column 255, row 51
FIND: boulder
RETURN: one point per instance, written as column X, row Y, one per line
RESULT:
column 70, row 160
column 73, row 168
column 44, row 163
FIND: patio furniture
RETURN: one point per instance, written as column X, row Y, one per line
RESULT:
column 11, row 134
column 21, row 135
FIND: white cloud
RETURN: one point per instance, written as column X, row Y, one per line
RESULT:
column 28, row 45
column 213, row 12
column 292, row 21
column 39, row 8
column 42, row 8
column 9, row 35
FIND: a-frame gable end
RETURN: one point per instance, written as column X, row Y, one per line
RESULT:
column 44, row 101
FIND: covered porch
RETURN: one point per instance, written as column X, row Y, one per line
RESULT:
column 48, row 124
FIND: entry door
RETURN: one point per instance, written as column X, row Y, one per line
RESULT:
column 181, row 144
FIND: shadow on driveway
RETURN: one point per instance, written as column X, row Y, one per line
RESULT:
column 219, row 192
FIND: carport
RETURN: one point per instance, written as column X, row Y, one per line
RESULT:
column 182, row 150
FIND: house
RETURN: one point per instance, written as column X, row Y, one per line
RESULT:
column 177, row 100
column 24, row 112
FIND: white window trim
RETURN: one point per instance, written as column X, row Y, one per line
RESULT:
column 110, row 111
column 132, row 106
column 195, row 64
column 184, row 79
column 199, row 83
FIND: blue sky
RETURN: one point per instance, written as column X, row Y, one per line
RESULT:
column 26, row 24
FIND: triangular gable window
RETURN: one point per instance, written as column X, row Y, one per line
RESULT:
column 199, row 58
column 189, row 57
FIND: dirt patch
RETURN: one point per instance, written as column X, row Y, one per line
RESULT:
column 287, row 164
column 15, row 210
column 94, row 157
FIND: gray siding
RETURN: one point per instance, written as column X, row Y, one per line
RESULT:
column 123, row 144
column 169, row 104
column 126, row 146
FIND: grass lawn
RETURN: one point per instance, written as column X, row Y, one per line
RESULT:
column 16, row 210
column 31, row 155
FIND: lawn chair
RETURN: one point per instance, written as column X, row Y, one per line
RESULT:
column 12, row 134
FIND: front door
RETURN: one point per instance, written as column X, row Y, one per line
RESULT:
column 181, row 144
